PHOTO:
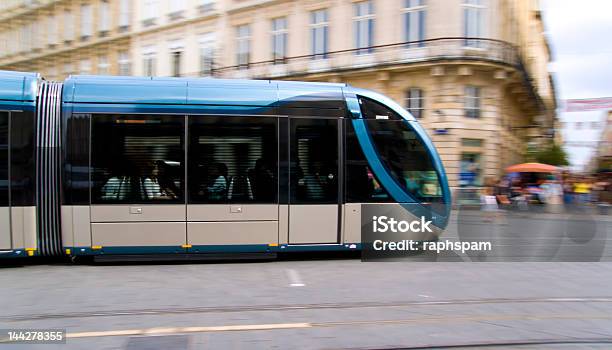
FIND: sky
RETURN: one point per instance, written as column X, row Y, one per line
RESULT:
column 580, row 34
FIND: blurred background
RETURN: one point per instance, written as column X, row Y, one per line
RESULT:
column 478, row 74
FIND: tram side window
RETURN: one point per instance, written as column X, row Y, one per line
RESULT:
column 233, row 160
column 314, row 161
column 137, row 159
column 4, row 128
column 22, row 162
column 76, row 180
column 362, row 186
column 404, row 156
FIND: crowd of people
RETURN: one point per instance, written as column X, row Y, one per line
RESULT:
column 522, row 190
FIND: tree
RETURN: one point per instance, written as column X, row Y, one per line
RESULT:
column 555, row 155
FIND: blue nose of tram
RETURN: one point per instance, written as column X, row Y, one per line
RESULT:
column 401, row 155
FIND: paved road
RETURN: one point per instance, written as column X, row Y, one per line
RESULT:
column 316, row 303
column 311, row 304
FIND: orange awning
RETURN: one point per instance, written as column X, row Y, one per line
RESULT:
column 531, row 168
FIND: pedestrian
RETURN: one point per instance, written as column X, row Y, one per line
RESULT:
column 552, row 194
column 582, row 190
column 488, row 200
column 568, row 190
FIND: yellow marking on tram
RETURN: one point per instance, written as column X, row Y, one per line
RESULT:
column 186, row 246
column 67, row 251
column 96, row 247
column 273, row 245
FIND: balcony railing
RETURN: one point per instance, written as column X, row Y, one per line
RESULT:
column 457, row 48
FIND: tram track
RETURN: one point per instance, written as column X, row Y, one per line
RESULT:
column 297, row 307
column 528, row 344
column 164, row 331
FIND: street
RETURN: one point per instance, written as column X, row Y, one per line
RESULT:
column 338, row 303
column 327, row 301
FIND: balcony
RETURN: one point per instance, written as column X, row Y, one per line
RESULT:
column 490, row 50
column 176, row 15
column 206, row 8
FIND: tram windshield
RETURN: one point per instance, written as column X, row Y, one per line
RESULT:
column 402, row 152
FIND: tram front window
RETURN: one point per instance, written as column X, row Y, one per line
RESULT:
column 137, row 159
column 402, row 152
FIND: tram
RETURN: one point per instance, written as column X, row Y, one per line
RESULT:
column 116, row 166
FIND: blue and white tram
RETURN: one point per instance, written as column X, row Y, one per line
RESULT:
column 115, row 166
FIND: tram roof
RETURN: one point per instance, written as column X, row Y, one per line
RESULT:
column 195, row 91
column 18, row 86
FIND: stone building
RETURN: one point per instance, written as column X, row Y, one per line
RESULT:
column 603, row 153
column 473, row 71
column 59, row 38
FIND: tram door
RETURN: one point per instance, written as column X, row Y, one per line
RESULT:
column 313, row 181
column 5, row 227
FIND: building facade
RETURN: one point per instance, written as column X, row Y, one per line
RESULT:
column 473, row 71
column 603, row 155
column 59, row 38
